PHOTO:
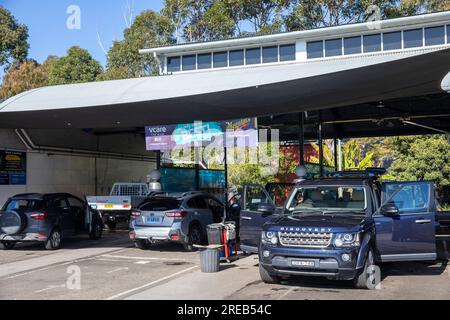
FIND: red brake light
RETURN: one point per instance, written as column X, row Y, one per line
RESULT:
column 176, row 214
column 39, row 216
column 135, row 213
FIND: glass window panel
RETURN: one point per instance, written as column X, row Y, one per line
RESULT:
column 413, row 38
column 372, row 43
column 287, row 52
column 253, row 56
column 173, row 64
column 220, row 59
column 352, row 45
column 189, row 62
column 236, row 58
column 270, row 54
column 434, row 36
column 392, row 40
column 448, row 34
column 314, row 49
column 204, row 61
column 333, row 48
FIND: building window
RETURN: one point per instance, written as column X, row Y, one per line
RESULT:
column 413, row 38
column 189, row 62
column 392, row 40
column 352, row 45
column 204, row 61
column 372, row 43
column 236, row 58
column 314, row 49
column 173, row 64
column 287, row 52
column 434, row 36
column 333, row 48
column 253, row 56
column 448, row 34
column 220, row 59
column 270, row 54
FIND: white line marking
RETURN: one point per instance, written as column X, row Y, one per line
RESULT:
column 151, row 283
column 50, row 288
column 141, row 258
column 142, row 262
column 118, row 269
column 285, row 294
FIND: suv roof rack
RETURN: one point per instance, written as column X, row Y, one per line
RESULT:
column 371, row 173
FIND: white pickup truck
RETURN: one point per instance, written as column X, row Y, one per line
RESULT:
column 117, row 206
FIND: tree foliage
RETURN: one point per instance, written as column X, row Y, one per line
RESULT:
column 25, row 76
column 76, row 67
column 13, row 39
column 148, row 30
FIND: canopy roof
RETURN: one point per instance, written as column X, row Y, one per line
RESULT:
column 235, row 93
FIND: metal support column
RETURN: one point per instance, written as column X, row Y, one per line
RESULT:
column 335, row 154
column 158, row 160
column 320, row 150
column 301, row 138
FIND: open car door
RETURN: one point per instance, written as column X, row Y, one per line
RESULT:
column 407, row 233
column 259, row 207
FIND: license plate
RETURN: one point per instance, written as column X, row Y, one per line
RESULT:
column 303, row 263
column 109, row 206
column 152, row 219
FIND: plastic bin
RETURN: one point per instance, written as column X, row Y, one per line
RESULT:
column 214, row 232
column 209, row 260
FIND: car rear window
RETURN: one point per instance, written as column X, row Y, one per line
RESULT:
column 24, row 205
column 160, row 204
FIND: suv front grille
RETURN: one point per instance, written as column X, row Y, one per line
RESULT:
column 305, row 239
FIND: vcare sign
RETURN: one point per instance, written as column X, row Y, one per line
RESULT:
column 241, row 132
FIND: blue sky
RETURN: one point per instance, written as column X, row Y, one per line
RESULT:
column 48, row 34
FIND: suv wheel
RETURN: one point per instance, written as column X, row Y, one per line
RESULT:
column 54, row 241
column 97, row 231
column 142, row 244
column 362, row 280
column 8, row 245
column 194, row 238
column 111, row 225
column 266, row 277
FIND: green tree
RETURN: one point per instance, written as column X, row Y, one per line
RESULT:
column 76, row 67
column 25, row 76
column 355, row 157
column 422, row 158
column 13, row 39
column 308, row 14
column 149, row 29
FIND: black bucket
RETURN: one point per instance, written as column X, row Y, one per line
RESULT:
column 209, row 260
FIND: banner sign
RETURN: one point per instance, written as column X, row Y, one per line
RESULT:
column 240, row 132
column 13, row 168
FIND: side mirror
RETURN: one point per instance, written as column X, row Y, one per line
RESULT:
column 389, row 210
column 266, row 208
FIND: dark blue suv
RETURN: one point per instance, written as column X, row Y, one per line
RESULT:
column 339, row 227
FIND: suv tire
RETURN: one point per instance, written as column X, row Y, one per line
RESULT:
column 97, row 231
column 8, row 245
column 361, row 281
column 54, row 240
column 111, row 225
column 266, row 277
column 194, row 237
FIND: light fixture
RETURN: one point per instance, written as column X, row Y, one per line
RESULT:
column 380, row 105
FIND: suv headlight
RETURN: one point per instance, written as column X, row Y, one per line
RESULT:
column 347, row 240
column 269, row 237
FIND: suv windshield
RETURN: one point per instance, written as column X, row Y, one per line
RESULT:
column 24, row 205
column 328, row 199
column 160, row 204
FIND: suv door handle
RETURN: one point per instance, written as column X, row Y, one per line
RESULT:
column 246, row 218
column 422, row 221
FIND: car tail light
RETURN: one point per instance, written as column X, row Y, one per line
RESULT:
column 135, row 213
column 176, row 214
column 40, row 236
column 132, row 235
column 126, row 206
column 175, row 237
column 39, row 216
